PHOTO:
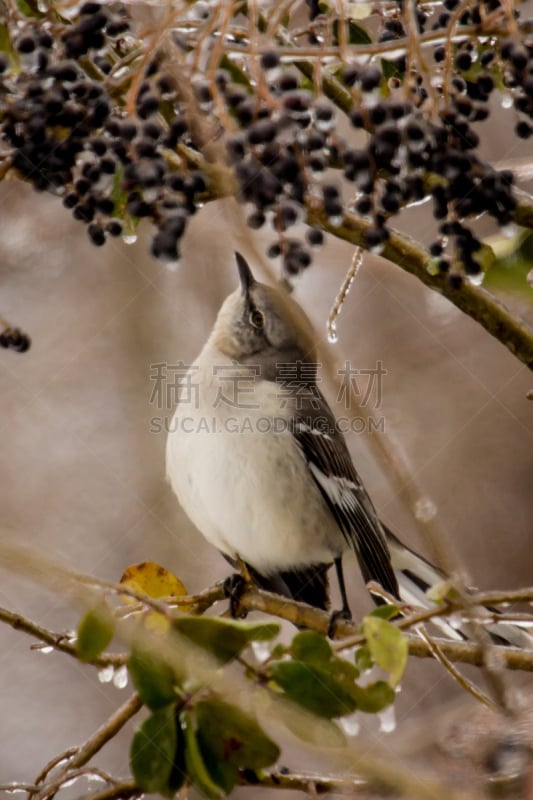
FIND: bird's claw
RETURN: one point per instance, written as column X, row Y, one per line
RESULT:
column 234, row 587
column 342, row 614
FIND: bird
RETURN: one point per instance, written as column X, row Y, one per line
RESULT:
column 264, row 472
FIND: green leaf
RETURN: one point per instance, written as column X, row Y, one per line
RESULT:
column 390, row 70
column 311, row 647
column 5, row 41
column 385, row 612
column 152, row 751
column 95, row 631
column 155, row 680
column 178, row 773
column 363, row 658
column 238, row 75
column 345, row 672
column 307, row 726
column 197, row 769
column 356, row 33
column 514, row 260
column 374, row 697
column 225, row 639
column 29, row 8
column 313, row 688
column 388, row 646
column 232, row 736
column 484, row 256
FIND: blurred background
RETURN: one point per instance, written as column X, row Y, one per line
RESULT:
column 82, row 470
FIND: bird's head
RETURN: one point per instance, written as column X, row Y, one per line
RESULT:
column 259, row 324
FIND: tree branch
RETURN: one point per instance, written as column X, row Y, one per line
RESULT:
column 78, row 757
column 305, row 616
column 58, row 641
column 312, row 785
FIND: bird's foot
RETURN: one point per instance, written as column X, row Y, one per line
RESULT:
column 343, row 614
column 234, row 587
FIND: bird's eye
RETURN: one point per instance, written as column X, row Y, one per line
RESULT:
column 257, row 318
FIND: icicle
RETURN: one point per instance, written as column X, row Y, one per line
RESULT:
column 120, row 678
column 357, row 260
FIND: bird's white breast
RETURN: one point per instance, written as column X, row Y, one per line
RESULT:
column 235, row 478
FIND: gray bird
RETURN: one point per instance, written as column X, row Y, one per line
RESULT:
column 265, row 473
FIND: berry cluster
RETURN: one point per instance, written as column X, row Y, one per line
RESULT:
column 115, row 126
column 14, row 339
column 69, row 135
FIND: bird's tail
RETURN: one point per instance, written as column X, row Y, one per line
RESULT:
column 416, row 575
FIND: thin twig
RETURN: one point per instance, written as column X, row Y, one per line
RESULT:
column 441, row 657
column 298, row 781
column 120, row 791
column 81, row 755
column 56, row 640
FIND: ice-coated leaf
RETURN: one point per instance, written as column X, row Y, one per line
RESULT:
column 374, row 697
column 313, row 688
column 153, row 751
column 388, row 646
column 225, row 639
column 233, row 736
column 197, row 769
column 355, row 34
column 311, row 647
column 308, row 726
column 385, row 612
column 153, row 677
column 363, row 658
column 95, row 631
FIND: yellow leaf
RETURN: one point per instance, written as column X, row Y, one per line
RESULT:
column 155, row 581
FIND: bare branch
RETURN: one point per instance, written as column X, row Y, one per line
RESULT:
column 59, row 641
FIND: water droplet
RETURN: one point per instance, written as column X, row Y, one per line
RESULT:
column 507, row 100
column 172, row 264
column 43, row 648
column 336, row 221
column 106, row 674
column 93, row 777
column 120, row 678
column 387, row 720
column 333, row 336
column 70, row 782
column 325, row 125
column 11, row 789
column 261, row 650
column 350, row 725
column 455, row 621
column 420, row 202
column 508, row 231
column 129, row 238
column 530, row 278
column 425, row 509
column 432, row 267
column 476, row 280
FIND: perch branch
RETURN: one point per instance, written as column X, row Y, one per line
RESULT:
column 303, row 615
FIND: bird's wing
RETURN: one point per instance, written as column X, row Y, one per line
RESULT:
column 326, row 453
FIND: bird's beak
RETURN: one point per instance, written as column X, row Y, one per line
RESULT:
column 245, row 273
